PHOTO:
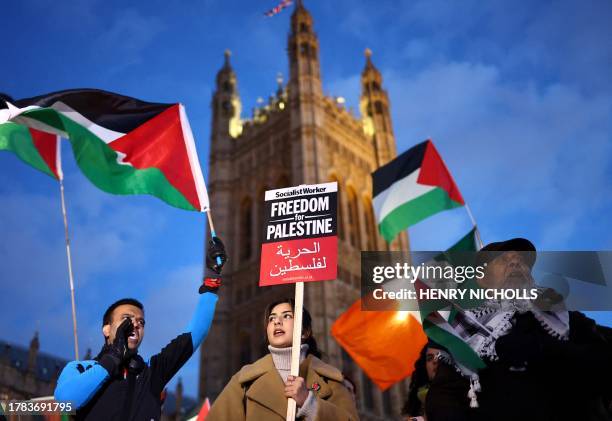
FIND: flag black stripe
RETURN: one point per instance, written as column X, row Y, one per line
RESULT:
column 107, row 109
column 402, row 166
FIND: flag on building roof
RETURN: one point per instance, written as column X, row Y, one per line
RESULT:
column 277, row 9
column 412, row 187
column 122, row 144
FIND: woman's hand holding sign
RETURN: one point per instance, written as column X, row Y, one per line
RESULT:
column 296, row 388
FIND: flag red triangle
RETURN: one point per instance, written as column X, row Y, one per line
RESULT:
column 434, row 173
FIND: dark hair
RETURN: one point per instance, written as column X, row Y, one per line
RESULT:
column 106, row 319
column 306, row 324
column 413, row 406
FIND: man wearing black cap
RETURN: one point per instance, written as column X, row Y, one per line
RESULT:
column 541, row 365
column 508, row 264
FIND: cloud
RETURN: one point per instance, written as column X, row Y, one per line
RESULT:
column 107, row 237
column 123, row 41
column 130, row 31
column 169, row 308
column 521, row 154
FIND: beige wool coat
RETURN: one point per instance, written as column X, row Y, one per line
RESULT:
column 256, row 393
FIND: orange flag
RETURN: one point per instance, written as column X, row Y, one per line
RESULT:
column 385, row 344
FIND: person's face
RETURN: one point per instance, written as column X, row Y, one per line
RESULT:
column 280, row 326
column 431, row 362
column 122, row 312
column 509, row 270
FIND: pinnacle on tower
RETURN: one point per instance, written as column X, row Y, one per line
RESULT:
column 227, row 54
column 226, row 100
column 279, row 83
column 369, row 66
column 33, row 352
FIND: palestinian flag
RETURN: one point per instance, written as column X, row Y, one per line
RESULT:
column 412, row 187
column 450, row 328
column 123, row 145
column 38, row 149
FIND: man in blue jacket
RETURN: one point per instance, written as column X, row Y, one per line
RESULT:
column 118, row 384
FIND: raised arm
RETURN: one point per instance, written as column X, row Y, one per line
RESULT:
column 173, row 356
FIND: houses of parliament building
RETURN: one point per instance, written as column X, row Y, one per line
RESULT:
column 300, row 136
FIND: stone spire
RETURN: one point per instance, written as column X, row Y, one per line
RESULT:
column 33, row 353
column 376, row 116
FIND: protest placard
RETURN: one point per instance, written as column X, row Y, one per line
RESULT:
column 300, row 242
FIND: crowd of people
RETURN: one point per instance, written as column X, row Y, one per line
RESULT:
column 540, row 364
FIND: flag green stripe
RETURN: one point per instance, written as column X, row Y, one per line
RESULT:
column 17, row 139
column 459, row 349
column 415, row 211
column 99, row 163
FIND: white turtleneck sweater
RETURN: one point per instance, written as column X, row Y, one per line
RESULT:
column 282, row 361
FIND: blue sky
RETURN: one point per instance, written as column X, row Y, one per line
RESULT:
column 516, row 96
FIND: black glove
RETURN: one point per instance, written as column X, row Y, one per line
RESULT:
column 118, row 353
column 215, row 255
column 215, row 259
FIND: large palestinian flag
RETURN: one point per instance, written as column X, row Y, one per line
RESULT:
column 123, row 145
column 412, row 187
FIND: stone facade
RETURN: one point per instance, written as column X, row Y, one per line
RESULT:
column 25, row 373
column 300, row 136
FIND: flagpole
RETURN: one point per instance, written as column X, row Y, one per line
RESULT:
column 70, row 276
column 477, row 231
column 213, row 233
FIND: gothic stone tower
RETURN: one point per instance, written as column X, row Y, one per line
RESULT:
column 300, row 136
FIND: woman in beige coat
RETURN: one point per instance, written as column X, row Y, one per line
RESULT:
column 259, row 391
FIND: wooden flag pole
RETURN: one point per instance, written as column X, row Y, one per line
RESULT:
column 70, row 276
column 210, row 224
column 296, row 345
column 480, row 243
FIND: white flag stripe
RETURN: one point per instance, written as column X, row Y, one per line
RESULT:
column 398, row 193
column 194, row 162
column 103, row 133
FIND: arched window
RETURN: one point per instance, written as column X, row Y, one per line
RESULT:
column 387, row 403
column 379, row 107
column 370, row 225
column 305, row 49
column 260, row 212
column 340, row 228
column 246, row 229
column 368, row 392
column 352, row 225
